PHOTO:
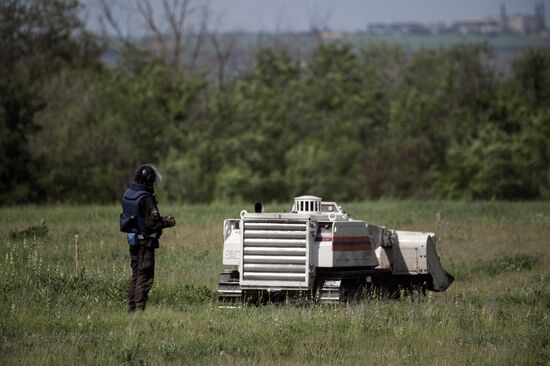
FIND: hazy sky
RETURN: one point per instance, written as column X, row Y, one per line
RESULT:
column 347, row 15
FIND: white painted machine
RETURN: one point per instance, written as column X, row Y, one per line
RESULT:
column 317, row 251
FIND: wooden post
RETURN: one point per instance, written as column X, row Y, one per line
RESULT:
column 438, row 225
column 77, row 255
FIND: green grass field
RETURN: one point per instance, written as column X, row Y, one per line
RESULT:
column 497, row 311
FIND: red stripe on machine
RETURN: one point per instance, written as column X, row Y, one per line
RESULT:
column 351, row 239
column 346, row 248
column 349, row 243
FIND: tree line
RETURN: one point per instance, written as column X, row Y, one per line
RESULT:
column 345, row 123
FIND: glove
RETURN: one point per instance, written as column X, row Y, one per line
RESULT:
column 169, row 221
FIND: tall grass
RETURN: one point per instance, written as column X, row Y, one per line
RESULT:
column 497, row 311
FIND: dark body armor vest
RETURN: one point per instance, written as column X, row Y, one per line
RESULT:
column 132, row 220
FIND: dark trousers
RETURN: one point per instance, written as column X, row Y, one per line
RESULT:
column 143, row 274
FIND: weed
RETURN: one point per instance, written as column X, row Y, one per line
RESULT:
column 37, row 231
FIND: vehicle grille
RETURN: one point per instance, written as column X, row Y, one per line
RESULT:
column 275, row 251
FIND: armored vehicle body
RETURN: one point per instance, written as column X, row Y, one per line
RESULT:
column 318, row 252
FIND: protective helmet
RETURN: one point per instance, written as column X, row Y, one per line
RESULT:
column 148, row 174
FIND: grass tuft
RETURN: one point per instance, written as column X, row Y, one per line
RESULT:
column 37, row 231
column 509, row 263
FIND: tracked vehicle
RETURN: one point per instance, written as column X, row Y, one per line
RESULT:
column 317, row 252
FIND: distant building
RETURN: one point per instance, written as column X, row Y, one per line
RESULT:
column 330, row 35
column 409, row 28
column 379, row 29
column 516, row 24
column 524, row 24
column 540, row 16
column 438, row 28
column 477, row 26
column 503, row 19
column 398, row 28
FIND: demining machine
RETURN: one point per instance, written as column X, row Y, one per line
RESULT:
column 318, row 253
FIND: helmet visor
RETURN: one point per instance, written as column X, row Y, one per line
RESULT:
column 158, row 176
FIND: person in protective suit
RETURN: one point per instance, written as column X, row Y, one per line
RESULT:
column 142, row 222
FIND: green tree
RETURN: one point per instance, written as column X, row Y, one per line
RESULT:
column 531, row 74
column 99, row 126
column 37, row 39
column 506, row 154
